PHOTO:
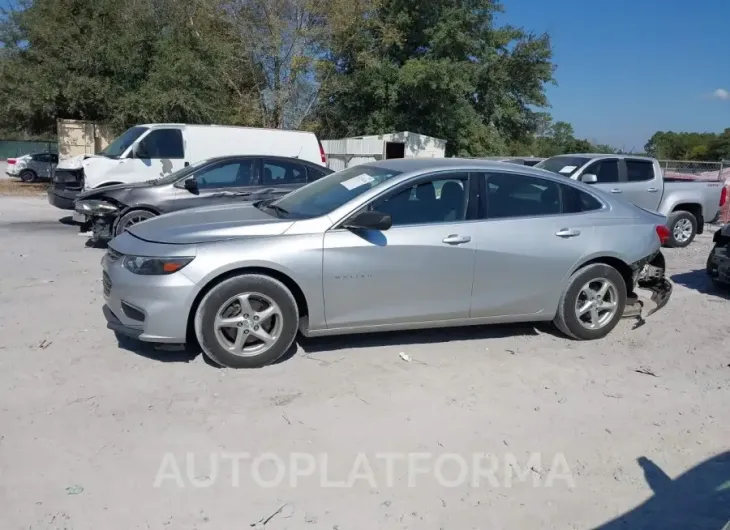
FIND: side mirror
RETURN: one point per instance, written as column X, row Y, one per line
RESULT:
column 191, row 184
column 589, row 178
column 140, row 152
column 370, row 220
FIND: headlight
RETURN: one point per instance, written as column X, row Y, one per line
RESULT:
column 154, row 266
column 92, row 207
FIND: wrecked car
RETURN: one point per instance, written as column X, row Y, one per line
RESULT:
column 718, row 262
column 389, row 245
column 113, row 209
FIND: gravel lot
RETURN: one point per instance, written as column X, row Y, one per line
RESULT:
column 85, row 423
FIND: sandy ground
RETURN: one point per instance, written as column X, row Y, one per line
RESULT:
column 87, row 426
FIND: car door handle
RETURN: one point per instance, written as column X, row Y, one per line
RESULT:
column 615, row 190
column 455, row 239
column 652, row 190
column 567, row 232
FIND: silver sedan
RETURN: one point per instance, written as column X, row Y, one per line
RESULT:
column 391, row 245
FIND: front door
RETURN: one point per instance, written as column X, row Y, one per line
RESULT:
column 419, row 270
column 229, row 180
column 535, row 232
column 158, row 154
column 609, row 175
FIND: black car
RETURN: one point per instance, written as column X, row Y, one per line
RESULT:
column 112, row 209
column 718, row 262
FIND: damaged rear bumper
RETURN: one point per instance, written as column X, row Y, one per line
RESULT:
column 649, row 275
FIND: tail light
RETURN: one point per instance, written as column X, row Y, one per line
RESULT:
column 321, row 152
column 663, row 233
column 723, row 196
column 11, row 161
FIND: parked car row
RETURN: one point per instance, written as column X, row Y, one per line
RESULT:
column 237, row 239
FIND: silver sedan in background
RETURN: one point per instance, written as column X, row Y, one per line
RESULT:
column 392, row 245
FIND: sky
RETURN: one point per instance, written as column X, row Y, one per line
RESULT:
column 626, row 69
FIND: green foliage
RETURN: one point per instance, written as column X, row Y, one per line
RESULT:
column 443, row 69
column 689, row 146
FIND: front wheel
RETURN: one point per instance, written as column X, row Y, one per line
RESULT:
column 682, row 229
column 131, row 218
column 593, row 302
column 248, row 321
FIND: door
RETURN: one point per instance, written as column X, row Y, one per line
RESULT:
column 41, row 165
column 279, row 177
column 534, row 233
column 643, row 186
column 417, row 271
column 158, row 154
column 609, row 175
column 226, row 181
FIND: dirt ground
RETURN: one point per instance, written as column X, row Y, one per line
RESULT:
column 93, row 433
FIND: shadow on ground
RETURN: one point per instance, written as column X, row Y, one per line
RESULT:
column 424, row 336
column 699, row 499
column 157, row 352
column 698, row 280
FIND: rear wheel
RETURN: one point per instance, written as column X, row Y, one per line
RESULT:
column 131, row 218
column 682, row 229
column 248, row 321
column 593, row 303
column 28, row 175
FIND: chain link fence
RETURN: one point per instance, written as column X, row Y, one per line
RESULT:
column 16, row 148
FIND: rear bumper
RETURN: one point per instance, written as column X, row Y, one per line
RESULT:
column 651, row 276
column 62, row 198
column 718, row 264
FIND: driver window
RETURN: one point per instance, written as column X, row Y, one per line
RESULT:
column 605, row 170
column 163, row 143
column 441, row 200
column 231, row 174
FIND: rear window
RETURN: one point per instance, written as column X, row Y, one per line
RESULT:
column 563, row 165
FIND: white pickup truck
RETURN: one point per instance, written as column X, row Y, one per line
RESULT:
column 686, row 204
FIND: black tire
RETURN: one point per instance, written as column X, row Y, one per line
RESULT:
column 676, row 218
column 126, row 220
column 28, row 175
column 566, row 319
column 246, row 283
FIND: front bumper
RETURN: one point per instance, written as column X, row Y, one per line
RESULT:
column 62, row 198
column 147, row 308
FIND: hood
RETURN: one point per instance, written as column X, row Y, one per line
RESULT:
column 75, row 162
column 211, row 223
column 96, row 192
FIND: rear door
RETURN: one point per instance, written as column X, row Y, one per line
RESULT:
column 534, row 232
column 280, row 176
column 229, row 180
column 643, row 186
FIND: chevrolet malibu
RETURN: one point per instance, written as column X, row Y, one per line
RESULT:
column 391, row 245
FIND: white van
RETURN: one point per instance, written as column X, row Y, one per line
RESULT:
column 148, row 152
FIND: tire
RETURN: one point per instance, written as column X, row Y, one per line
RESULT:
column 567, row 319
column 130, row 218
column 28, row 175
column 682, row 229
column 254, row 353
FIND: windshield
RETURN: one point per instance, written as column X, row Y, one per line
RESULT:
column 563, row 165
column 122, row 143
column 332, row 191
column 181, row 173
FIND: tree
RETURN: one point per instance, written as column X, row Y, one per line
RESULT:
column 443, row 69
column 119, row 63
column 689, row 145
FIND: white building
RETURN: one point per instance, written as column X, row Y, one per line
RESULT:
column 348, row 152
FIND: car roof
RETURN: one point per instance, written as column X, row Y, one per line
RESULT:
column 607, row 155
column 416, row 165
column 268, row 157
